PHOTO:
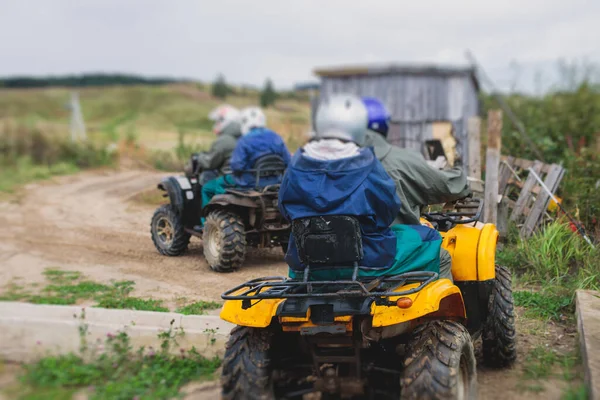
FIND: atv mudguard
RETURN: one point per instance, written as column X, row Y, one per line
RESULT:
column 426, row 302
column 182, row 196
column 473, row 251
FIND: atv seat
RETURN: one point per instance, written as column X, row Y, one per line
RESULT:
column 266, row 166
column 333, row 241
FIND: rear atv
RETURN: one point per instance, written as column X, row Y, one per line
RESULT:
column 233, row 221
column 408, row 336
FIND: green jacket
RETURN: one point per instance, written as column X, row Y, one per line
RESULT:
column 219, row 154
column 417, row 183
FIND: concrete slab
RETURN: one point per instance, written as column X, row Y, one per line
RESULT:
column 29, row 331
column 588, row 325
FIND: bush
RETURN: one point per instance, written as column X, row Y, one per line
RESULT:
column 28, row 153
column 268, row 95
column 554, row 256
column 220, row 89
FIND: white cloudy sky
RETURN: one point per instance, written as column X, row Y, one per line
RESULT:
column 285, row 39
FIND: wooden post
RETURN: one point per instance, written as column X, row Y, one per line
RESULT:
column 492, row 164
column 474, row 137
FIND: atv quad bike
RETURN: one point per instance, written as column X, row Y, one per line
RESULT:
column 234, row 220
column 408, row 336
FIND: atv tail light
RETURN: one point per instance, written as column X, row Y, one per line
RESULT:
column 404, row 302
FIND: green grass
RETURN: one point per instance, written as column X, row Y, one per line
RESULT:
column 542, row 363
column 554, row 257
column 198, row 308
column 118, row 372
column 24, row 171
column 70, row 287
column 132, row 303
column 545, row 306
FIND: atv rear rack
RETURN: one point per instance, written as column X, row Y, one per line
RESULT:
column 279, row 287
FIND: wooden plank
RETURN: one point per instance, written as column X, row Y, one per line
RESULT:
column 541, row 202
column 525, row 194
column 505, row 174
column 474, row 137
column 503, row 212
column 492, row 164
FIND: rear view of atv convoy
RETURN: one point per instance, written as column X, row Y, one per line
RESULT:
column 372, row 308
column 233, row 221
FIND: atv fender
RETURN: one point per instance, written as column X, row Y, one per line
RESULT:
column 473, row 251
column 257, row 316
column 439, row 296
column 225, row 200
column 179, row 189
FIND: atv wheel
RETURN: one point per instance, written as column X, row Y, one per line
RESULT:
column 247, row 365
column 440, row 363
column 224, row 241
column 168, row 233
column 499, row 335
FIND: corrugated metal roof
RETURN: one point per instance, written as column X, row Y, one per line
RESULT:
column 397, row 69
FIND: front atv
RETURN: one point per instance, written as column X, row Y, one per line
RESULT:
column 406, row 336
column 233, row 221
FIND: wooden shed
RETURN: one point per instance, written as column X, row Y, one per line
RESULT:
column 426, row 101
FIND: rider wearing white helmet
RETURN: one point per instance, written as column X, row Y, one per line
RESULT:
column 256, row 142
column 215, row 161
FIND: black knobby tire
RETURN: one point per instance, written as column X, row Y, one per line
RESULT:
column 499, row 334
column 167, row 231
column 224, row 240
column 439, row 363
column 247, row 365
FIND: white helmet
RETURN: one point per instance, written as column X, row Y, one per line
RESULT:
column 252, row 117
column 223, row 116
column 342, row 116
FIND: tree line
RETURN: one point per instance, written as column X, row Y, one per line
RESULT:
column 82, row 80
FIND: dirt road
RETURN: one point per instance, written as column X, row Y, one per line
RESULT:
column 90, row 223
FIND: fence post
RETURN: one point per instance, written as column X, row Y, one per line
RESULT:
column 492, row 164
column 474, row 138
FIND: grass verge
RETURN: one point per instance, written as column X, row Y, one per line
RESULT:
column 115, row 370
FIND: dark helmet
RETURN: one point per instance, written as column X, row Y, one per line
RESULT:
column 379, row 117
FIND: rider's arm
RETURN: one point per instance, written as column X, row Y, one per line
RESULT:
column 214, row 157
column 433, row 186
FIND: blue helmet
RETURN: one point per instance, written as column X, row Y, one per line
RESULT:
column 379, row 117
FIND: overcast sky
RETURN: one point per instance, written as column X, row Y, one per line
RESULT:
column 286, row 39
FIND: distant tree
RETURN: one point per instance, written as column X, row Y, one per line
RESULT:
column 268, row 95
column 220, row 88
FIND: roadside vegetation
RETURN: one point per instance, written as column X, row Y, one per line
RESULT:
column 72, row 287
column 114, row 369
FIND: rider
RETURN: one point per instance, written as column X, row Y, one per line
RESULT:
column 215, row 161
column 417, row 183
column 332, row 175
column 257, row 141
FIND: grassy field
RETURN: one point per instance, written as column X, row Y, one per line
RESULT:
column 154, row 115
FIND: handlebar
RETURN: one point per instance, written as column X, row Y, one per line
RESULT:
column 463, row 211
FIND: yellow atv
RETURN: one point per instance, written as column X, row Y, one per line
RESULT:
column 406, row 336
